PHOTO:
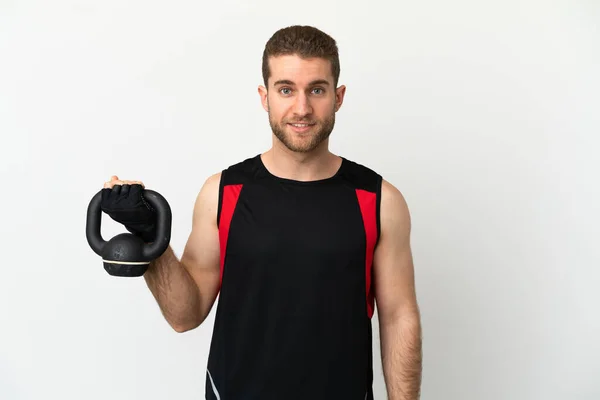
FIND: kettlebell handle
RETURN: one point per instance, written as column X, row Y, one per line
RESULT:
column 150, row 251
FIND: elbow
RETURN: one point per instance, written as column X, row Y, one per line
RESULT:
column 182, row 328
column 189, row 320
column 185, row 326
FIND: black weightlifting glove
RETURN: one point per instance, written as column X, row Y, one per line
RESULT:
column 126, row 205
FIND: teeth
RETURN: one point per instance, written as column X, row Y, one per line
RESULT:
column 300, row 125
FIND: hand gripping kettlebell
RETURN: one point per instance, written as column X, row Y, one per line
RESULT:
column 127, row 254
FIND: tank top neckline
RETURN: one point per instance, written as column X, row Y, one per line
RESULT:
column 280, row 179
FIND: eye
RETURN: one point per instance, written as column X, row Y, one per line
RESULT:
column 282, row 91
column 319, row 90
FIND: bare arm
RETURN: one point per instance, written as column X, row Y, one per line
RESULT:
column 398, row 311
column 186, row 289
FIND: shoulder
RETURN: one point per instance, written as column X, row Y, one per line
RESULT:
column 367, row 176
column 394, row 211
column 216, row 185
column 211, row 184
column 241, row 172
column 207, row 197
column 228, row 175
column 361, row 176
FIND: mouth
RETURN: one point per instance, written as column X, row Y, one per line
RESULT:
column 301, row 127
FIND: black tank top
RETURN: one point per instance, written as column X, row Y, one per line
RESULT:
column 293, row 318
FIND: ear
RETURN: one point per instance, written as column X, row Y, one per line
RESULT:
column 340, row 92
column 262, row 91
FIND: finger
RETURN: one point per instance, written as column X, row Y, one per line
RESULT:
column 114, row 180
column 112, row 184
column 134, row 183
column 125, row 189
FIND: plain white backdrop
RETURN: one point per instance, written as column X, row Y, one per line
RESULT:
column 484, row 114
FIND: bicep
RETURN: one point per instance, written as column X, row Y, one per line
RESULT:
column 393, row 269
column 201, row 255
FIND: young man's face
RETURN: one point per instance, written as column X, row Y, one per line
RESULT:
column 301, row 101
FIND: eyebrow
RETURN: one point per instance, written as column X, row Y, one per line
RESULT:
column 288, row 82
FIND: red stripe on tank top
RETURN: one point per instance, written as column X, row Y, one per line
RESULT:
column 368, row 208
column 231, row 194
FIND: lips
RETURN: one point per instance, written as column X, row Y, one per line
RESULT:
column 301, row 127
column 301, row 124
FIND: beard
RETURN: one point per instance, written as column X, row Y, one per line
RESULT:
column 303, row 143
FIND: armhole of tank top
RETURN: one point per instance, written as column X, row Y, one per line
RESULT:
column 220, row 200
column 378, row 206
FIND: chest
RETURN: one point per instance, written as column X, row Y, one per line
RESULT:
column 303, row 225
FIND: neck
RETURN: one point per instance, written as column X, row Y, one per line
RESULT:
column 314, row 165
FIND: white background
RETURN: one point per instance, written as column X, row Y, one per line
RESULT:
column 484, row 114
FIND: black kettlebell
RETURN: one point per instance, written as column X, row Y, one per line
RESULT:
column 126, row 254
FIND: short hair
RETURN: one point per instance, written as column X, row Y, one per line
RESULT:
column 304, row 41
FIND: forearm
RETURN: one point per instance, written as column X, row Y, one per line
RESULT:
column 401, row 352
column 174, row 290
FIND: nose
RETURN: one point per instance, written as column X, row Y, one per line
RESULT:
column 302, row 105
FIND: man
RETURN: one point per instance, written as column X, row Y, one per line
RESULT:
column 298, row 243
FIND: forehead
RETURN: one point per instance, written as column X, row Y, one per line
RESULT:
column 299, row 70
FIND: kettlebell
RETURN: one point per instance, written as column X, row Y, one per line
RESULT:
column 127, row 255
